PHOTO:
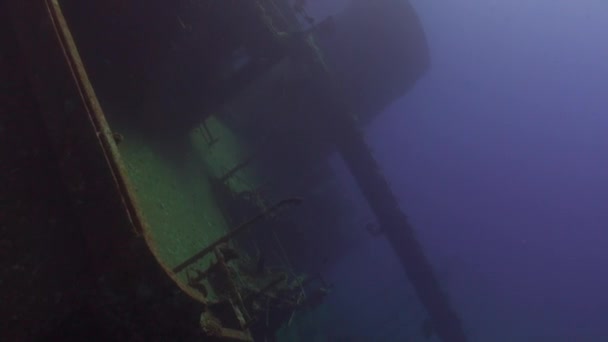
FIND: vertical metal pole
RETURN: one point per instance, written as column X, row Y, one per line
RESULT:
column 395, row 226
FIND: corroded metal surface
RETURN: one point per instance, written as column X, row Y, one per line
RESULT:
column 95, row 113
column 42, row 261
column 81, row 141
column 70, row 263
column 82, row 138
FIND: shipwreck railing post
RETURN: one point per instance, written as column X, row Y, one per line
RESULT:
column 342, row 126
column 395, row 226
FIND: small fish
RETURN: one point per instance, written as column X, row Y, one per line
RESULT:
column 427, row 329
column 299, row 5
column 261, row 264
column 327, row 26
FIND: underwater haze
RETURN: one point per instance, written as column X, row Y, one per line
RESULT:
column 485, row 154
column 498, row 155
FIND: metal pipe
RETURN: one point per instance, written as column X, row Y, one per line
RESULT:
column 234, row 232
column 397, row 229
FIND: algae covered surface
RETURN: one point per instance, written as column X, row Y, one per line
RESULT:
column 173, row 185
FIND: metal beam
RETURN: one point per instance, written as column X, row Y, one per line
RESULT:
column 396, row 228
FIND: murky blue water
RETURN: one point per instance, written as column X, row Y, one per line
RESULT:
column 498, row 156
